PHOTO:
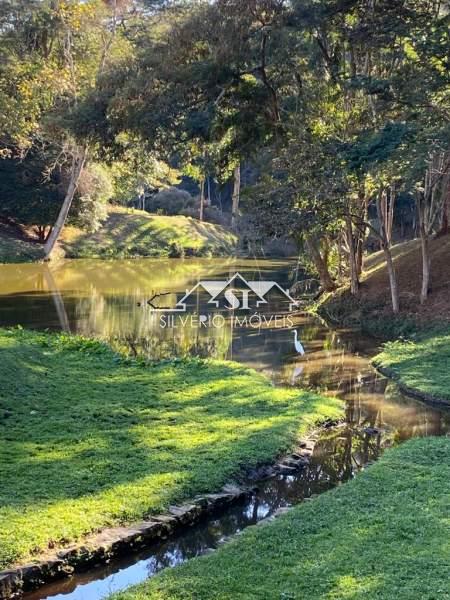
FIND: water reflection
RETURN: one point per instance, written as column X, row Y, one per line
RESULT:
column 108, row 300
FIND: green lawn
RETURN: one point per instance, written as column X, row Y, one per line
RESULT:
column 89, row 439
column 128, row 233
column 385, row 535
column 423, row 365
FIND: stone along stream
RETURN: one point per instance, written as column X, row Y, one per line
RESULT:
column 109, row 300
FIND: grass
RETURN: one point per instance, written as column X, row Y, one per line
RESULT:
column 384, row 535
column 421, row 364
column 89, row 439
column 15, row 248
column 137, row 233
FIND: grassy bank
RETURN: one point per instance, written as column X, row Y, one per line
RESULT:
column 128, row 233
column 372, row 311
column 383, row 535
column 16, row 248
column 88, row 439
column 421, row 365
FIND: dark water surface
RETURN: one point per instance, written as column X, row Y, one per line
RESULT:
column 109, row 300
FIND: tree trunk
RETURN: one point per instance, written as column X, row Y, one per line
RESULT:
column 392, row 279
column 202, row 199
column 386, row 247
column 354, row 281
column 426, row 263
column 322, row 268
column 236, row 195
column 77, row 168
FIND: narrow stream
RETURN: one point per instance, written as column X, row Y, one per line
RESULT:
column 105, row 299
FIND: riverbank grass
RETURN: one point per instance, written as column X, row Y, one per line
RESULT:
column 131, row 233
column 421, row 364
column 383, row 535
column 89, row 439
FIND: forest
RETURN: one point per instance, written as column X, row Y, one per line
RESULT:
column 326, row 123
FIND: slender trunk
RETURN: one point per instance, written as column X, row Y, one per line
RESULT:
column 362, row 236
column 392, row 279
column 202, row 199
column 77, row 168
column 426, row 263
column 236, row 195
column 444, row 223
column 322, row 268
column 354, row 281
column 386, row 247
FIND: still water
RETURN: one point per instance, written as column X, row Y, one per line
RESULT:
column 110, row 300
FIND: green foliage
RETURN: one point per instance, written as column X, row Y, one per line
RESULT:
column 170, row 201
column 27, row 193
column 373, row 537
column 95, row 189
column 90, row 440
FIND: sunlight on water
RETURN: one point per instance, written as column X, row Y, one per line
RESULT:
column 109, row 300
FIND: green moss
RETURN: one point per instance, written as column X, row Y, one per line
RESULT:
column 421, row 364
column 384, row 535
column 89, row 439
column 137, row 233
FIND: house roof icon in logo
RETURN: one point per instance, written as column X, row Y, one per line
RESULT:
column 216, row 288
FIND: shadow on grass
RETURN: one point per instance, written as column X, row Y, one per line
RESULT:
column 86, row 442
column 383, row 535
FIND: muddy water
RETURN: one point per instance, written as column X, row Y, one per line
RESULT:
column 109, row 300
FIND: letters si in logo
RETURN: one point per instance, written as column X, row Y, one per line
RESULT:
column 235, row 293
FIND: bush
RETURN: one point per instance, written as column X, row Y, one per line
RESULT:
column 170, row 201
column 95, row 188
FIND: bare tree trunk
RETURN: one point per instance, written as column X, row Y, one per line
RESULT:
column 392, row 279
column 202, row 199
column 426, row 264
column 386, row 247
column 236, row 195
column 77, row 168
column 431, row 207
column 354, row 280
column 322, row 267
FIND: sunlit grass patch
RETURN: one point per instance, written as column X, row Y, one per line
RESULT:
column 421, row 364
column 89, row 439
column 383, row 535
column 137, row 233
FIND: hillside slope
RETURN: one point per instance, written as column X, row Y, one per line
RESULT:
column 16, row 247
column 137, row 233
column 373, row 309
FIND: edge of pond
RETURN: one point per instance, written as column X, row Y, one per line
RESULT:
column 407, row 390
column 110, row 543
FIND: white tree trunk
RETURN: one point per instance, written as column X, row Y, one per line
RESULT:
column 426, row 264
column 354, row 279
column 77, row 168
column 386, row 246
column 202, row 200
column 236, row 196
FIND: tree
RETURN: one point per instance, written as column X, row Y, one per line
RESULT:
column 56, row 52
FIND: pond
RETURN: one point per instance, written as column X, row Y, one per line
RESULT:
column 247, row 319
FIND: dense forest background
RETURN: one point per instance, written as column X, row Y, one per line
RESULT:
column 322, row 124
